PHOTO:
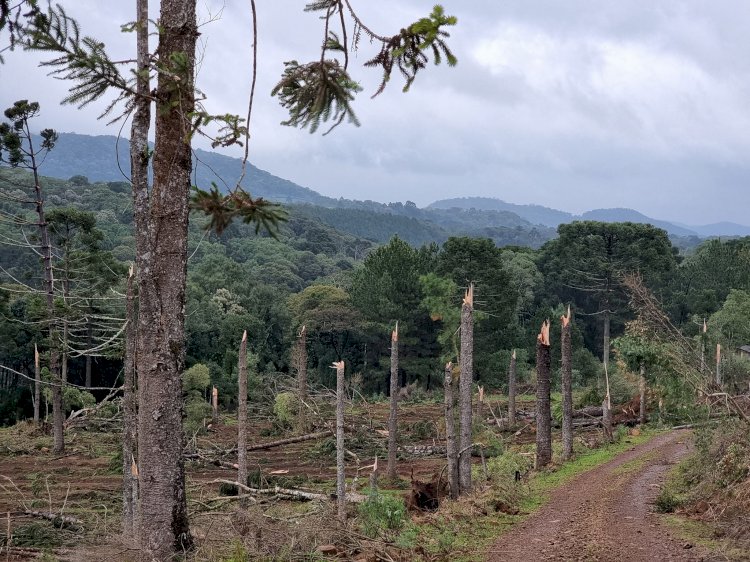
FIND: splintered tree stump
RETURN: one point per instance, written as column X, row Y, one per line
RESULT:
column 392, row 418
column 567, row 387
column 464, row 394
column 512, row 390
column 543, row 411
column 242, row 416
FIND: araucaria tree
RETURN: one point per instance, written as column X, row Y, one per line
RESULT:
column 17, row 148
column 543, row 412
column 313, row 93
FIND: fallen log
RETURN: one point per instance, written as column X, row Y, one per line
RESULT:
column 272, row 444
column 60, row 521
column 291, row 494
column 423, row 450
column 589, row 412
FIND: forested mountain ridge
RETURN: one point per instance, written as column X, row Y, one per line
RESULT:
column 538, row 214
column 106, row 159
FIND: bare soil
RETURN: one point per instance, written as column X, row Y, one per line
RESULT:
column 605, row 514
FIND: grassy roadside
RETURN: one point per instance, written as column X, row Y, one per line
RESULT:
column 463, row 530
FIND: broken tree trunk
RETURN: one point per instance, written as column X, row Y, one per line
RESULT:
column 512, row 390
column 567, row 388
column 642, row 393
column 301, row 360
column 242, row 417
column 37, row 384
column 340, row 475
column 374, row 478
column 607, row 410
column 703, row 346
column 450, row 431
column 214, row 406
column 392, row 426
column 480, row 404
column 129, row 415
column 718, row 365
column 464, row 392
column 543, row 412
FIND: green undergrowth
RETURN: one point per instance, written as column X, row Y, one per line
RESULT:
column 464, row 530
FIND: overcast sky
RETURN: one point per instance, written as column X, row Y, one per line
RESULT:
column 575, row 105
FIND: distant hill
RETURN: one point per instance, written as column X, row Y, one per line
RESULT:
column 722, row 229
column 104, row 158
column 535, row 214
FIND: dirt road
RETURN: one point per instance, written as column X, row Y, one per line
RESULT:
column 604, row 514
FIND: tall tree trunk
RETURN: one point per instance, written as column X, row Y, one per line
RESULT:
column 703, row 346
column 37, row 384
column 242, row 417
column 58, row 413
column 464, row 395
column 340, row 474
column 718, row 365
column 450, row 431
column 301, row 364
column 214, row 406
column 299, row 361
column 512, row 390
column 88, row 358
column 606, row 338
column 543, row 412
column 392, row 427
column 161, row 259
column 607, row 410
column 642, row 392
column 130, row 416
column 567, row 388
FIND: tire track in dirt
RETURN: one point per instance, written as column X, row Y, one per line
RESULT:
column 604, row 514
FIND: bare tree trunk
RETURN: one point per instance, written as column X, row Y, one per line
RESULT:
column 242, row 417
column 607, row 410
column 607, row 420
column 374, row 478
column 543, row 412
column 512, row 390
column 718, row 365
column 606, row 338
column 161, row 221
column 340, row 475
column 392, row 427
column 301, row 363
column 450, row 431
column 567, row 388
column 64, row 356
column 703, row 346
column 214, row 406
column 89, row 359
column 464, row 393
column 480, row 404
column 642, row 392
column 130, row 416
column 37, row 384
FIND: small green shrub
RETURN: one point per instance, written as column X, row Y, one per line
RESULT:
column 667, row 501
column 196, row 412
column 506, row 492
column 423, row 429
column 286, row 408
column 381, row 514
